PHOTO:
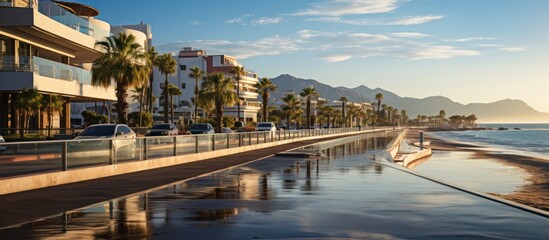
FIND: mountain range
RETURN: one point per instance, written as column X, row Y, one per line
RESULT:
column 507, row 110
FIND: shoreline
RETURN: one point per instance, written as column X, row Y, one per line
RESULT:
column 534, row 194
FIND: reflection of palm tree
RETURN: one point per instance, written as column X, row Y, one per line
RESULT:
column 123, row 61
column 167, row 66
column 219, row 90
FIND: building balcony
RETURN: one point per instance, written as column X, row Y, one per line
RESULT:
column 53, row 77
column 248, row 80
column 245, row 106
column 52, row 27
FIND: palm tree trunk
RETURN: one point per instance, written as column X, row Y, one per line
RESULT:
column 219, row 117
column 149, row 92
column 288, row 121
column 121, row 104
column 196, row 100
column 166, row 95
column 173, row 115
column 141, row 105
column 238, row 96
column 308, row 116
column 343, row 109
column 265, row 104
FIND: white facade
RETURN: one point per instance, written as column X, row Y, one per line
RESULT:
column 45, row 47
column 189, row 58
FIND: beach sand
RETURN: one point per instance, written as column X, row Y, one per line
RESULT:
column 535, row 193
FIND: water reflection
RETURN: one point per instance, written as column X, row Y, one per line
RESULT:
column 342, row 194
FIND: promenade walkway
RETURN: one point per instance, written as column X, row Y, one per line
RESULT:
column 31, row 205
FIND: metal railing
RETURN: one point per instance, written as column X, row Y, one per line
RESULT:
column 19, row 158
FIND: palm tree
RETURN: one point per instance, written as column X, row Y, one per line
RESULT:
column 379, row 97
column 52, row 104
column 264, row 87
column 328, row 112
column 309, row 93
column 28, row 103
column 167, row 66
column 197, row 74
column 238, row 72
column 219, row 90
column 290, row 108
column 172, row 91
column 123, row 61
column 137, row 95
column 344, row 101
column 389, row 111
column 152, row 57
column 404, row 116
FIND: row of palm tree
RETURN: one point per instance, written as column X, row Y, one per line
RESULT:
column 125, row 64
column 30, row 103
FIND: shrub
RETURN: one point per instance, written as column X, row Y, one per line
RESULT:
column 133, row 119
column 91, row 117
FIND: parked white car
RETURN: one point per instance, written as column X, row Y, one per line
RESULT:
column 123, row 138
column 265, row 126
column 2, row 148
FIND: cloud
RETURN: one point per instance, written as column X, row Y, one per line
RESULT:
column 266, row 20
column 348, row 7
column 379, row 22
column 241, row 49
column 441, row 52
column 336, row 58
column 409, row 35
column 235, row 20
column 332, row 46
column 469, row 39
column 415, row 20
column 194, row 23
column 489, row 45
column 514, row 49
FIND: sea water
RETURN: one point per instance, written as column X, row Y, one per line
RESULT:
column 522, row 139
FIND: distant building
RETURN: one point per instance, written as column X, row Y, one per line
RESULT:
column 184, row 104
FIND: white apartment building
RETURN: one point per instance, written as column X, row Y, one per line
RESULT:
column 189, row 58
column 49, row 46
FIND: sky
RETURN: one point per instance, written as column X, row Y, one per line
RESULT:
column 472, row 51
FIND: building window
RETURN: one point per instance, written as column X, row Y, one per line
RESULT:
column 183, row 85
column 183, row 67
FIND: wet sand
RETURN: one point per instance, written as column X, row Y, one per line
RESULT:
column 535, row 193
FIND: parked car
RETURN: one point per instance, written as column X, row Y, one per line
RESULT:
column 227, row 130
column 239, row 126
column 123, row 138
column 2, row 148
column 265, row 126
column 163, row 129
column 201, row 128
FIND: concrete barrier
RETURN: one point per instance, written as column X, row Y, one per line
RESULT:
column 410, row 158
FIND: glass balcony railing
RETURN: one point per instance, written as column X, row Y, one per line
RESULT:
column 51, row 69
column 66, row 18
column 59, row 14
